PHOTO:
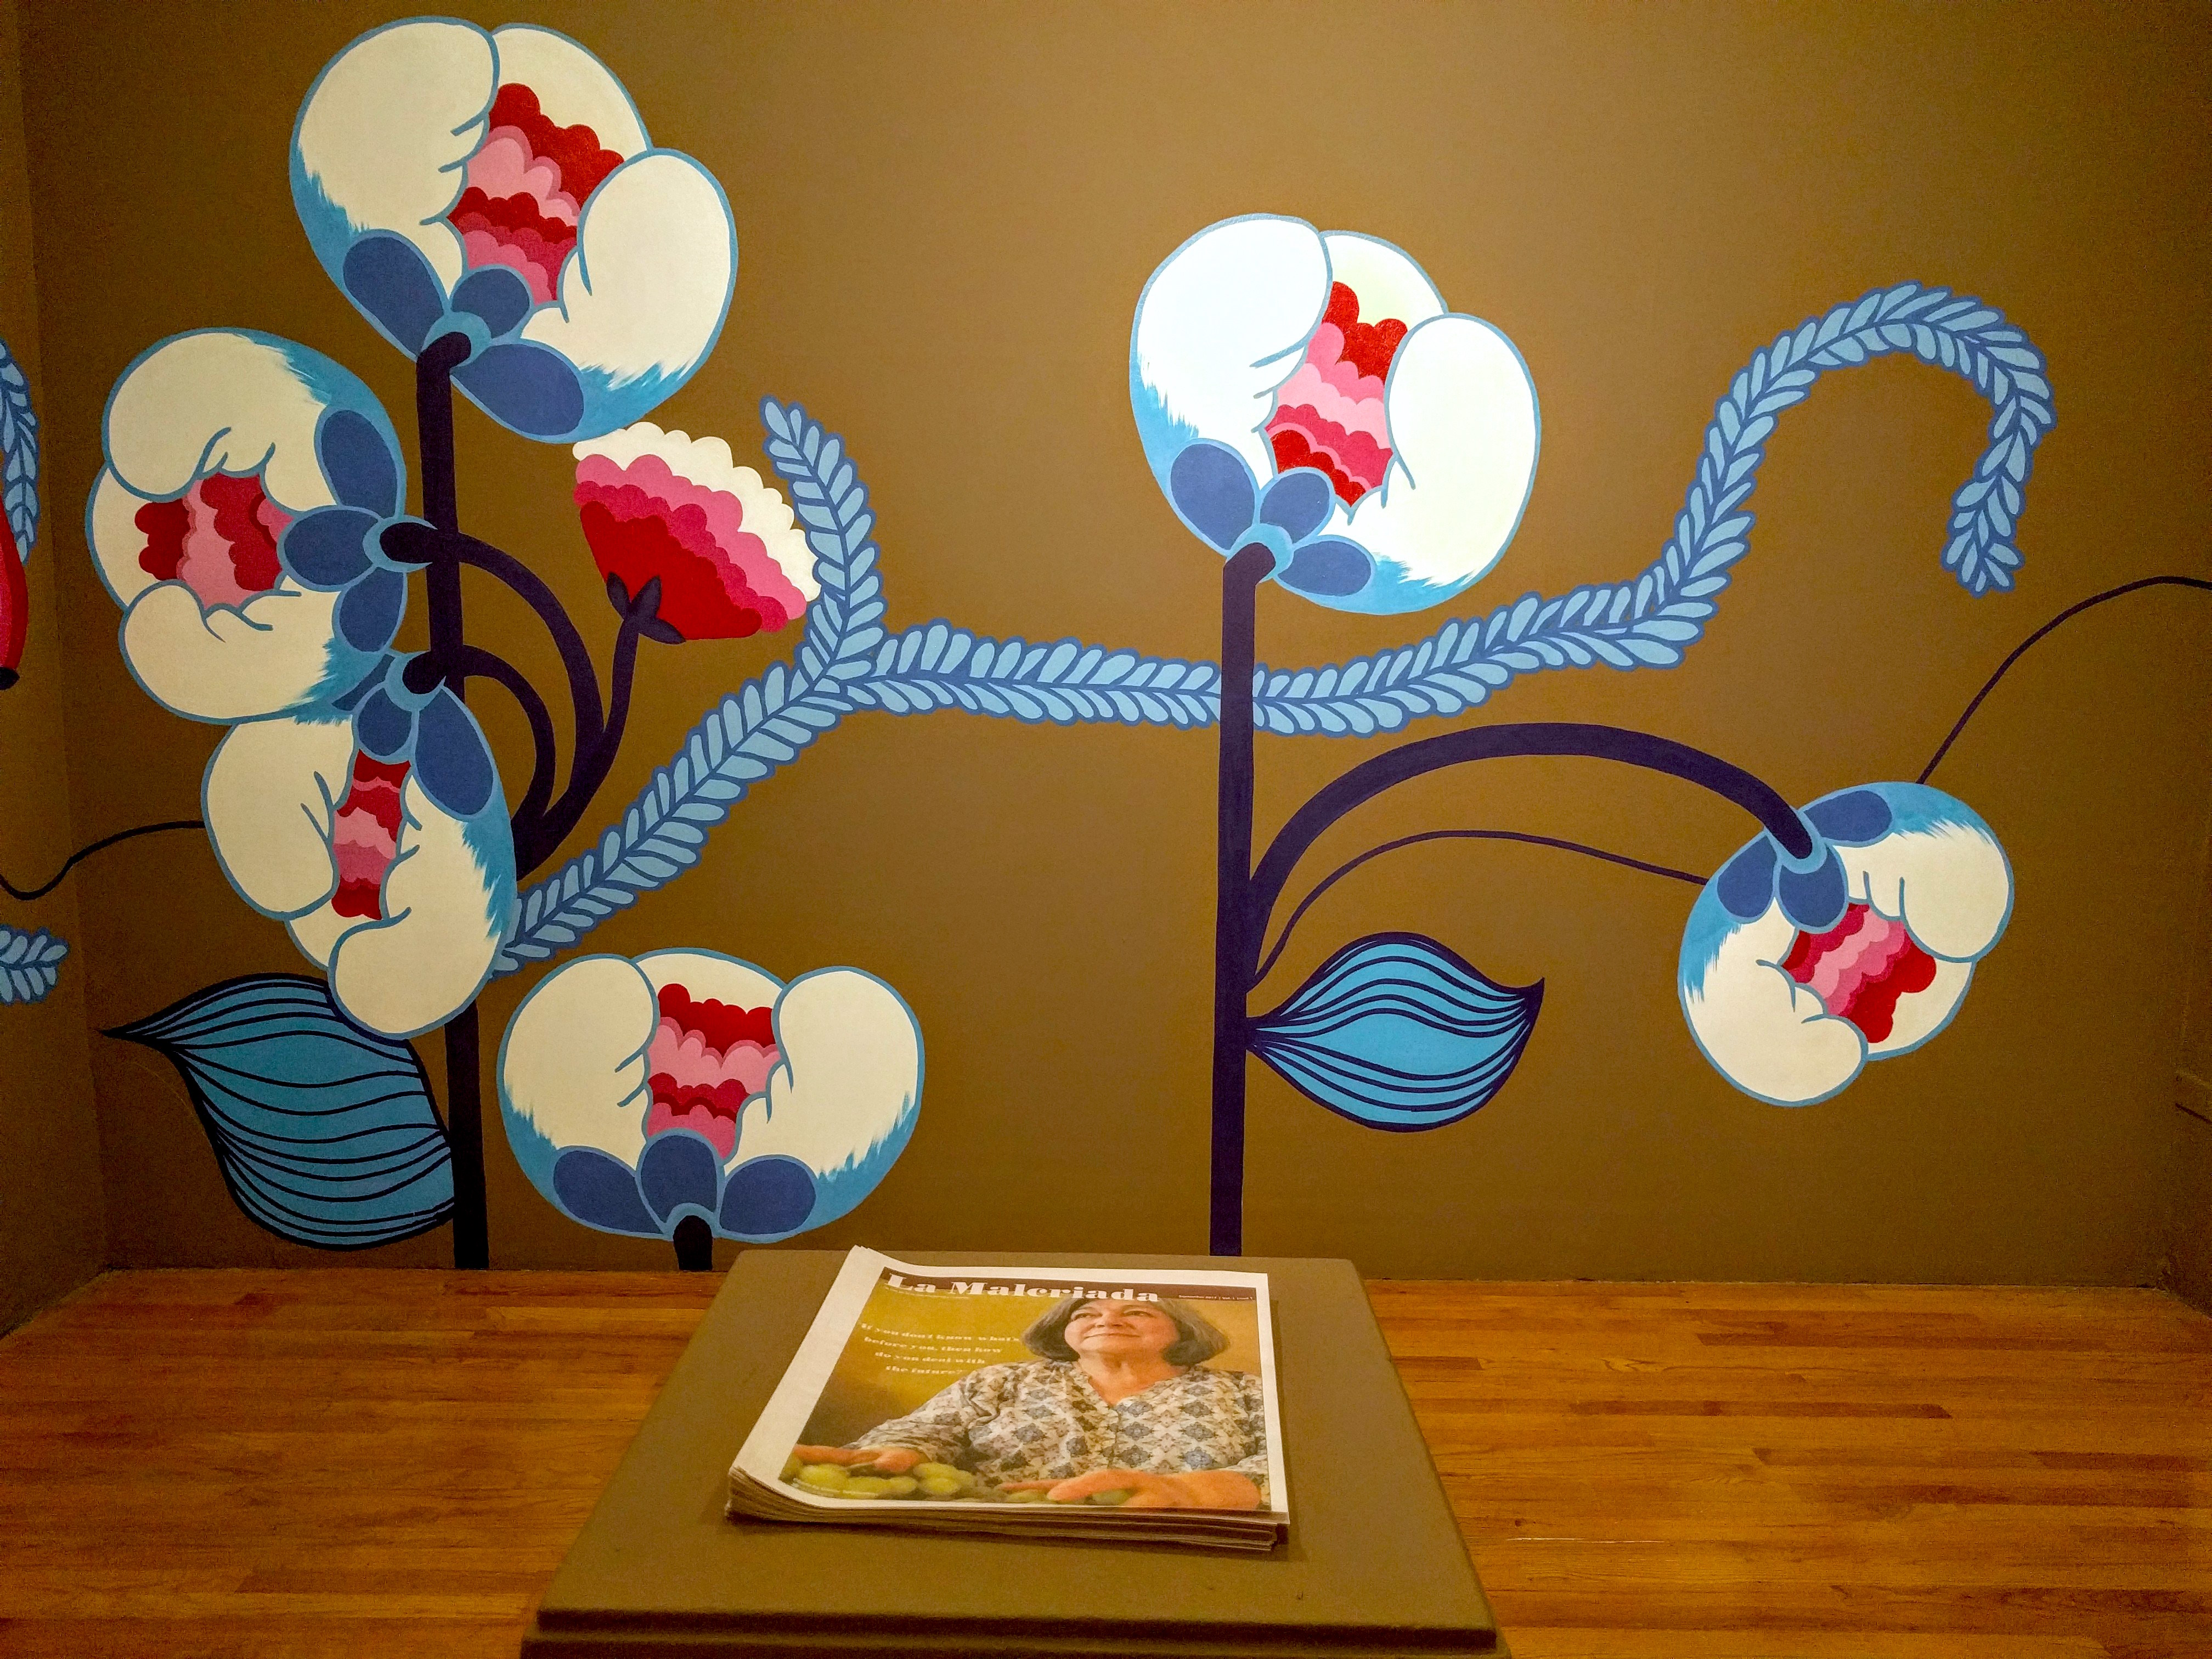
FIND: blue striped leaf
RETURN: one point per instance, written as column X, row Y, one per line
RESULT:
column 326, row 1133
column 1398, row 1032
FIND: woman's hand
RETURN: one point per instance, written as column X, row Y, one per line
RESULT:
column 1201, row 1489
column 891, row 1459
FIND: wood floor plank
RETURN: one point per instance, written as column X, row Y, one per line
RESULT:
column 265, row 1463
column 1799, row 1471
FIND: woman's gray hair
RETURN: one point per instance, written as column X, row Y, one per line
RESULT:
column 1198, row 1338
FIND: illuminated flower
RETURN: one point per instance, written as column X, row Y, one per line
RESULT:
column 235, row 522
column 500, row 185
column 1793, row 977
column 1310, row 390
column 664, row 506
column 378, row 832
column 689, row 1082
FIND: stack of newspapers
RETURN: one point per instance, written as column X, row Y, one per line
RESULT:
column 1045, row 1402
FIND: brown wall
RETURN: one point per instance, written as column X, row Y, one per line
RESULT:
column 2188, row 1265
column 946, row 215
column 52, row 1236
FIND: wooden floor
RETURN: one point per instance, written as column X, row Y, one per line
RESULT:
column 389, row 1463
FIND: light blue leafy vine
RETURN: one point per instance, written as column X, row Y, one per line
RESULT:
column 937, row 665
column 753, row 731
column 1649, row 621
column 845, row 661
column 30, row 964
column 19, row 444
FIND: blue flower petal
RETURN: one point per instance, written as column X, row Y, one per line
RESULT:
column 451, row 762
column 766, row 1196
column 1814, row 900
column 359, row 462
column 1298, row 501
column 1328, row 569
column 1398, row 1032
column 388, row 277
column 600, row 1191
column 369, row 616
column 1745, row 885
column 1858, row 818
column 324, row 549
column 679, row 1168
column 347, row 702
column 497, row 294
column 525, row 386
column 382, row 728
column 1213, row 488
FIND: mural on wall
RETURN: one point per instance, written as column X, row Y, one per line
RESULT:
column 30, row 961
column 491, row 202
column 1318, row 417
column 1315, row 414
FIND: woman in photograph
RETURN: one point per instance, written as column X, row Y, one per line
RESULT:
column 1118, row 1399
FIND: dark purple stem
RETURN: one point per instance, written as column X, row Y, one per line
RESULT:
column 531, row 588
column 433, row 430
column 694, row 1245
column 1235, row 935
column 434, row 433
column 476, row 663
column 1372, row 777
column 594, row 760
column 442, row 550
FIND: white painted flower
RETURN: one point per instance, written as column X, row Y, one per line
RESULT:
column 234, row 522
column 500, row 184
column 689, row 1082
column 1792, row 979
column 379, row 837
column 1310, row 390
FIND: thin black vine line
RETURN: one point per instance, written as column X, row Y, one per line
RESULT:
column 1346, row 868
column 2021, row 649
column 1958, row 729
column 26, row 894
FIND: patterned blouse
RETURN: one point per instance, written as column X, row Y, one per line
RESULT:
column 1041, row 1420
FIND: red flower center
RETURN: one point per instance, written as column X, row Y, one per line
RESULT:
column 717, row 579
column 527, row 185
column 1329, row 413
column 365, row 836
column 219, row 538
column 1860, row 968
column 706, row 1060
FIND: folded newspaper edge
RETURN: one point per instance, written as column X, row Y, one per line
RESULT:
column 758, row 1490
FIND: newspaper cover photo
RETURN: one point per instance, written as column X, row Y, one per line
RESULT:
column 1056, row 1400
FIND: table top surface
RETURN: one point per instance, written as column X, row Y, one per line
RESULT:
column 1373, row 1548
